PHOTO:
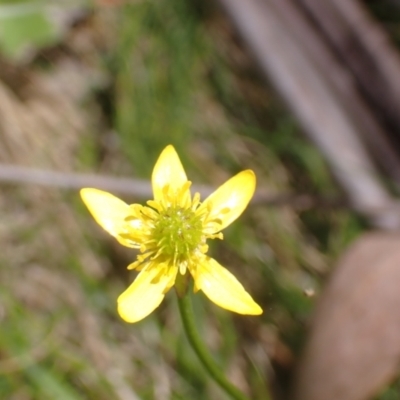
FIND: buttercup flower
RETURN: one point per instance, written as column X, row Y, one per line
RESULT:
column 171, row 234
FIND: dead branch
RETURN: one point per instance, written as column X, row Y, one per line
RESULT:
column 323, row 95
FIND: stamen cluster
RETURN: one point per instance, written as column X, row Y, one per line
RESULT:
column 172, row 231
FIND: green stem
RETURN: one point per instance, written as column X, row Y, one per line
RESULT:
column 186, row 310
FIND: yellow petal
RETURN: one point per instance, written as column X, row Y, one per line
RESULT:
column 167, row 171
column 231, row 199
column 144, row 295
column 222, row 288
column 109, row 212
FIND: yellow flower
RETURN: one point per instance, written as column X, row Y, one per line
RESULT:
column 171, row 234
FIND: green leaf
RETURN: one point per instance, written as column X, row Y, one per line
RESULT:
column 24, row 30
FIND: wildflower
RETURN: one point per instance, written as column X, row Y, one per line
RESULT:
column 171, row 234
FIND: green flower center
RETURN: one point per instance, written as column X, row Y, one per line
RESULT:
column 178, row 231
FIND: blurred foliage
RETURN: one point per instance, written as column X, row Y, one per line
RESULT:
column 171, row 71
column 25, row 26
column 159, row 70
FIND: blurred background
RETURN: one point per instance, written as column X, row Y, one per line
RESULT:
column 306, row 93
